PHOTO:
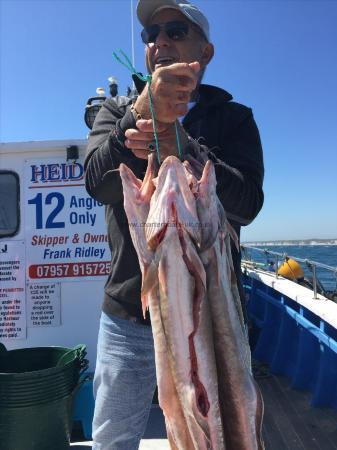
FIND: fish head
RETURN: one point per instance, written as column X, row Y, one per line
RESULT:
column 138, row 193
column 207, row 206
column 172, row 204
column 131, row 184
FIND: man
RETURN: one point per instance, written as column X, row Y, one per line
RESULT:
column 178, row 50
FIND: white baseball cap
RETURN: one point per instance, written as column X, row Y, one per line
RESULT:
column 147, row 8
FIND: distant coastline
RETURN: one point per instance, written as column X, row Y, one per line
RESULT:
column 292, row 242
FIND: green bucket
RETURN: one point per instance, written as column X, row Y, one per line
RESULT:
column 37, row 386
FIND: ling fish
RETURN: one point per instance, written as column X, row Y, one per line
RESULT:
column 205, row 387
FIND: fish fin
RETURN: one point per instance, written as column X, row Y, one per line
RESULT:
column 145, row 305
column 148, row 187
column 217, row 268
column 150, row 279
column 191, row 178
column 233, row 235
column 208, row 178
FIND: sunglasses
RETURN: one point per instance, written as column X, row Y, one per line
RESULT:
column 175, row 30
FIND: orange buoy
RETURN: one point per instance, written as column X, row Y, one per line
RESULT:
column 291, row 270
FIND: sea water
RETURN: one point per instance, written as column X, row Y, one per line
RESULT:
column 325, row 254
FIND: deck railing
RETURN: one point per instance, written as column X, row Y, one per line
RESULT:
column 273, row 259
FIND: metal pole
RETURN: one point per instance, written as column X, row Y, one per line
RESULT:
column 314, row 280
column 132, row 40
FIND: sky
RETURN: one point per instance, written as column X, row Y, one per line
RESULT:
column 277, row 57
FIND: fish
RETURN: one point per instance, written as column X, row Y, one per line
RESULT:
column 205, row 386
column 183, row 306
column 240, row 398
column 137, row 196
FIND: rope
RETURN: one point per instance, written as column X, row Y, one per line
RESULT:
column 148, row 79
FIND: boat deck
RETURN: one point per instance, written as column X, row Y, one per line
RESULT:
column 290, row 423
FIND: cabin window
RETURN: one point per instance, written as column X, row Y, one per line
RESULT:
column 9, row 203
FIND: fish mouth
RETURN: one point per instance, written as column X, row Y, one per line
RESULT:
column 172, row 221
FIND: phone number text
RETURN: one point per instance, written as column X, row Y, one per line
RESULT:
column 69, row 270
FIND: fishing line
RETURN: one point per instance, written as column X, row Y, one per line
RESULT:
column 148, row 79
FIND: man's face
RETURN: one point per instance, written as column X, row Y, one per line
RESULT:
column 166, row 51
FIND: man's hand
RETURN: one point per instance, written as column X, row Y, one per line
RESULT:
column 171, row 89
column 138, row 140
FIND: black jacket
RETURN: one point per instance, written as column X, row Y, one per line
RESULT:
column 228, row 130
